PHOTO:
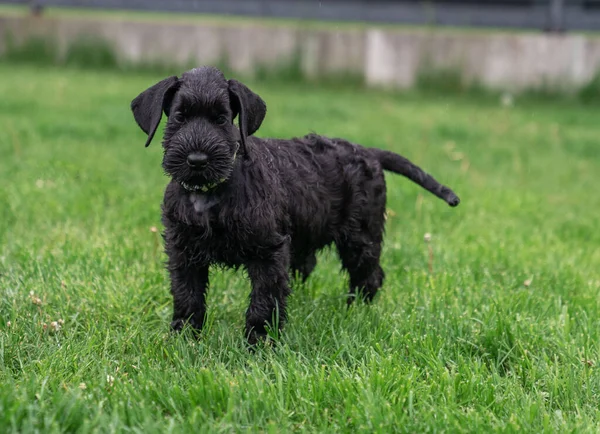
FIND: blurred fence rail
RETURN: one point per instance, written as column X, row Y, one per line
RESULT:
column 548, row 15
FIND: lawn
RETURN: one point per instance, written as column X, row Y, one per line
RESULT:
column 503, row 335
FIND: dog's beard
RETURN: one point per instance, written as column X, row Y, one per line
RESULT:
column 217, row 171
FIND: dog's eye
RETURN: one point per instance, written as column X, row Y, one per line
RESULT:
column 178, row 117
column 221, row 120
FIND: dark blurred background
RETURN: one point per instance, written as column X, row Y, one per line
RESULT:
column 551, row 15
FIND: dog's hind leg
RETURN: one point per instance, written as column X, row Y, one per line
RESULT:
column 270, row 288
column 359, row 247
column 304, row 265
column 362, row 263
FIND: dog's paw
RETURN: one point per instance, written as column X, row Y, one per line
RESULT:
column 177, row 325
column 255, row 336
column 261, row 339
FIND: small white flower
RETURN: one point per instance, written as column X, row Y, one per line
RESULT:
column 35, row 299
column 427, row 237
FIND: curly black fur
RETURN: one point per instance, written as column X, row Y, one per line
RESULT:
column 267, row 205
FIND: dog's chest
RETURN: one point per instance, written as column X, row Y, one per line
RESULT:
column 214, row 246
column 202, row 204
column 219, row 230
column 205, row 215
column 212, row 238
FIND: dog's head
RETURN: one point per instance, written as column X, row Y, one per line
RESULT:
column 201, row 142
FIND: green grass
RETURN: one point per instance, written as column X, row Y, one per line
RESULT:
column 469, row 348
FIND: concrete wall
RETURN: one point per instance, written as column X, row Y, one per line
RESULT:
column 383, row 57
column 496, row 60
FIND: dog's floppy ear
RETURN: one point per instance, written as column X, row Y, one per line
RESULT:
column 148, row 106
column 250, row 108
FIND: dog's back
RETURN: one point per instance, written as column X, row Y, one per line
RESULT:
column 333, row 188
column 335, row 173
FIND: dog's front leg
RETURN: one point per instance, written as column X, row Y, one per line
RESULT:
column 188, row 286
column 270, row 288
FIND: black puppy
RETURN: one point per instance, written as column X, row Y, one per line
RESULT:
column 267, row 205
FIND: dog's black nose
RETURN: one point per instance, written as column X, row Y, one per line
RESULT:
column 197, row 160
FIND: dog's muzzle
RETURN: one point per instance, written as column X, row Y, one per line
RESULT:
column 211, row 185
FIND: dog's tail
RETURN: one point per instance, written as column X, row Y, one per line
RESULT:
column 402, row 166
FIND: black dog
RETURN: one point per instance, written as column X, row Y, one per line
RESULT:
column 267, row 205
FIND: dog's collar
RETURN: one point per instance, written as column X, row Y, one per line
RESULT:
column 211, row 185
column 202, row 188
